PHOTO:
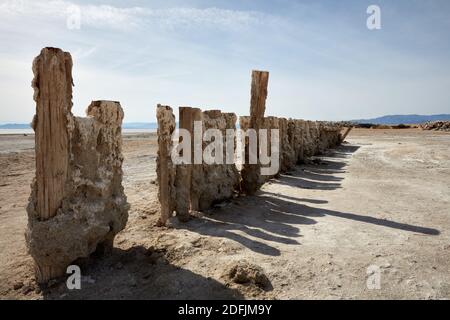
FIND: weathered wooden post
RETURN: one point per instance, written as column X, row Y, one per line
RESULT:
column 271, row 123
column 165, row 169
column 184, row 171
column 197, row 168
column 52, row 85
column 251, row 172
column 298, row 140
column 53, row 96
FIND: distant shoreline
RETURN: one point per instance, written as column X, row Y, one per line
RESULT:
column 31, row 132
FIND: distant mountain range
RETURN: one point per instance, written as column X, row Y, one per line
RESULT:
column 405, row 119
column 15, row 126
column 391, row 119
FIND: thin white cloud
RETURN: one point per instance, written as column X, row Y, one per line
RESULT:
column 107, row 16
column 82, row 53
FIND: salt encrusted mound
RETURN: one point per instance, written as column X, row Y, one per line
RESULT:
column 244, row 272
column 94, row 207
column 216, row 182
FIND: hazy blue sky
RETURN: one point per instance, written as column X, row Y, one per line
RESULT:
column 324, row 63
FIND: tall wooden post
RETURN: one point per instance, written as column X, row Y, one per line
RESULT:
column 52, row 86
column 184, row 171
column 251, row 172
column 197, row 168
column 53, row 95
column 164, row 169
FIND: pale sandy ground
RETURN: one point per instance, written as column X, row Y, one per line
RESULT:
column 380, row 200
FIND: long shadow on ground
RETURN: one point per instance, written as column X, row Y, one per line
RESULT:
column 258, row 222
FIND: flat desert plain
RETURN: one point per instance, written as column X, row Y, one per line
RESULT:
column 377, row 206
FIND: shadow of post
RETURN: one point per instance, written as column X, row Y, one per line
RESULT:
column 260, row 222
column 139, row 274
